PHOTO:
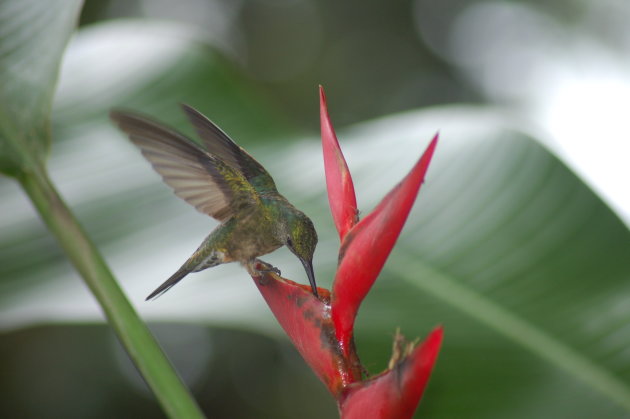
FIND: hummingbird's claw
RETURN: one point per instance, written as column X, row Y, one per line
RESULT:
column 266, row 267
column 271, row 269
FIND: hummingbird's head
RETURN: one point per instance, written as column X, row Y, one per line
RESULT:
column 300, row 237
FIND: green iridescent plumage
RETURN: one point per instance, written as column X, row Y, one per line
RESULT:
column 221, row 179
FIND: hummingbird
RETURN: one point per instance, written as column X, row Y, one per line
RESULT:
column 220, row 179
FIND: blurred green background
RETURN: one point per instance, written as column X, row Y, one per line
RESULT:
column 517, row 244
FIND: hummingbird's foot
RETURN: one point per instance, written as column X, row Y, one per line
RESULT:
column 258, row 267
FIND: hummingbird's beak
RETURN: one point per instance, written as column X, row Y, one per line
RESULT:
column 308, row 266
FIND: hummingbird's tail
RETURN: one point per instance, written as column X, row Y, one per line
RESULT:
column 169, row 283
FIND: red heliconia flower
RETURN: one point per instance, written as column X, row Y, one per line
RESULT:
column 322, row 329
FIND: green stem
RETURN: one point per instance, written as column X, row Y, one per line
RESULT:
column 135, row 336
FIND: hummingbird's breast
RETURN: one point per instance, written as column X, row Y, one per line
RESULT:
column 252, row 236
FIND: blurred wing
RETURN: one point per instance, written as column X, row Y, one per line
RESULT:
column 202, row 180
column 220, row 145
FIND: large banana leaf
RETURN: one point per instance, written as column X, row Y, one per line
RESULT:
column 29, row 63
column 523, row 264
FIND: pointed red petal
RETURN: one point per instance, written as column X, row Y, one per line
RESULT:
column 366, row 247
column 397, row 392
column 343, row 203
column 306, row 320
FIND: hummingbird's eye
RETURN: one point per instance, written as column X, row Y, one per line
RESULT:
column 289, row 242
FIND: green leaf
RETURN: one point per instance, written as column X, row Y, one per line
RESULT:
column 526, row 268
column 33, row 36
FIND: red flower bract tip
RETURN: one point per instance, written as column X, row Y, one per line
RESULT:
column 343, row 203
column 367, row 245
column 396, row 392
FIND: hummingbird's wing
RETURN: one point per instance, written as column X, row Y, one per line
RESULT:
column 219, row 144
column 201, row 179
